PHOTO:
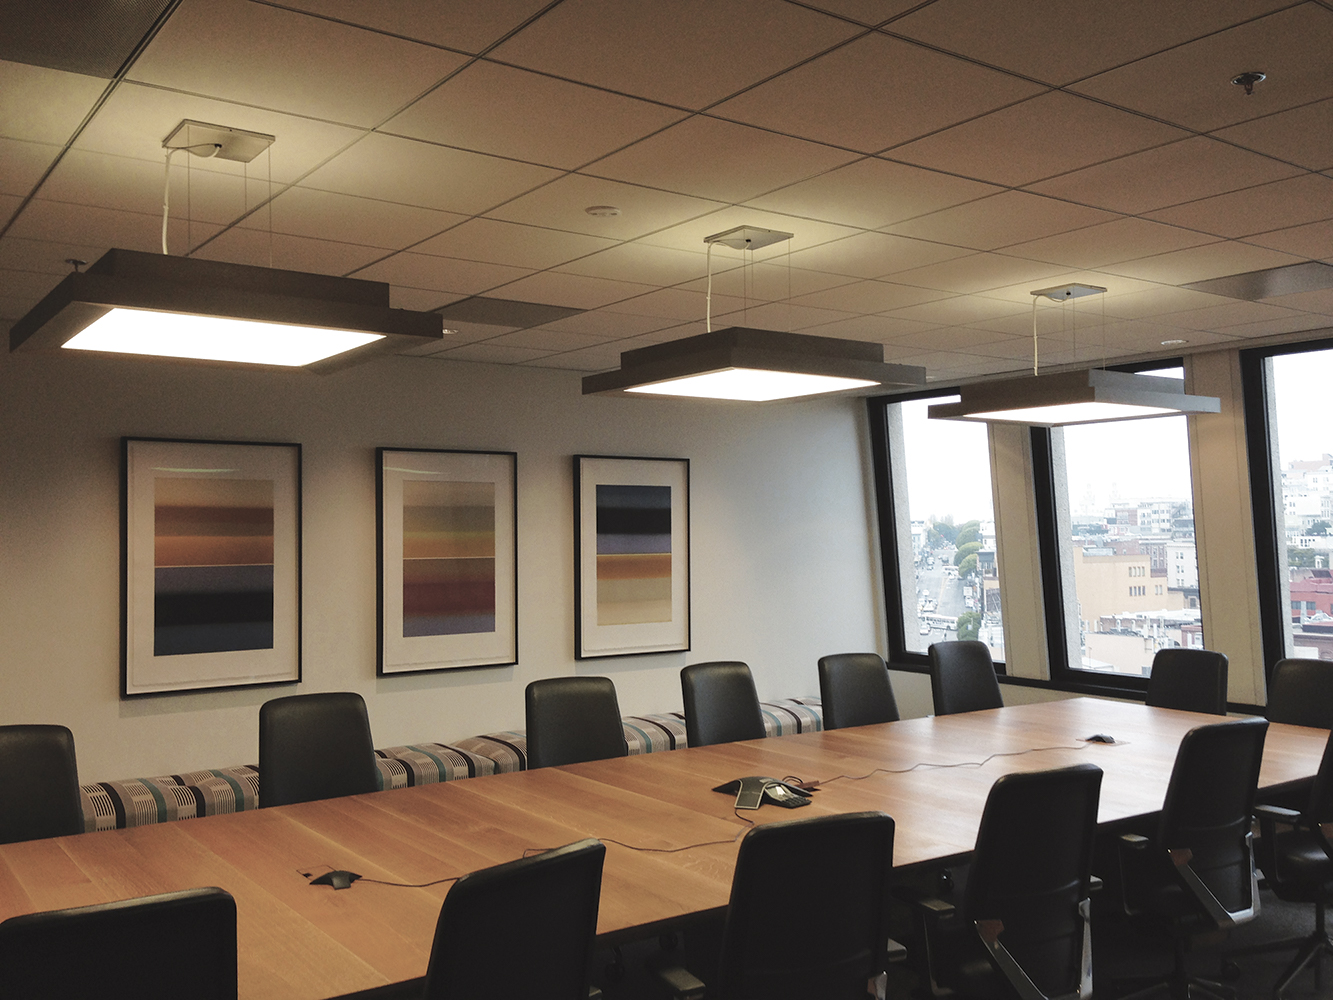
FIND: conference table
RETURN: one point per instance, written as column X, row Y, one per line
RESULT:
column 671, row 840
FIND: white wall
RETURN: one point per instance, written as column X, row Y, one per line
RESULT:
column 783, row 567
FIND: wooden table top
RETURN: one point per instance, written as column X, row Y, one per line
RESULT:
column 300, row 941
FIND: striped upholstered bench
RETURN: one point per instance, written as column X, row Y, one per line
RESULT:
column 116, row 805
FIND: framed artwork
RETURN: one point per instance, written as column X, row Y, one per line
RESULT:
column 210, row 565
column 448, row 559
column 632, row 561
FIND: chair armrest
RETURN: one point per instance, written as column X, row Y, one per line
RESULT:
column 1276, row 814
column 894, row 951
column 1095, row 884
column 1132, row 852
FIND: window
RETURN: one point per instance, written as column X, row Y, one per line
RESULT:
column 937, row 528
column 1285, row 389
column 1126, row 487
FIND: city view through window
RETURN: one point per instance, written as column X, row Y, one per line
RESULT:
column 1304, row 445
column 952, row 514
column 1136, row 575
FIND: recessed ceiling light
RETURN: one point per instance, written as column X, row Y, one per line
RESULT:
column 1175, row 342
column 602, row 211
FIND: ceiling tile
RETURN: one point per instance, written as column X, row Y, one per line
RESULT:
column 420, row 299
column 510, row 243
column 445, row 274
column 708, row 158
column 576, row 290
column 1300, row 135
column 960, row 310
column 869, row 297
column 544, row 339
column 771, row 281
column 416, row 173
column 1314, row 240
column 1108, row 243
column 1191, row 85
column 1215, row 260
column 563, row 204
column 780, row 316
column 650, row 265
column 288, row 253
column 867, row 12
column 491, row 354
column 527, row 116
column 689, row 55
column 956, row 338
column 1291, row 202
column 136, row 119
column 455, row 24
column 842, row 97
column 1168, row 175
column 1158, row 300
column 872, row 193
column 203, row 195
column 347, row 219
column 93, row 226
column 1228, row 314
column 1318, row 301
column 1001, row 220
column 590, row 359
column 22, row 164
column 605, row 324
column 1048, row 135
column 289, row 62
column 1303, row 323
column 681, row 304
column 1059, row 42
column 457, row 334
column 46, row 256
column 44, row 105
column 874, row 255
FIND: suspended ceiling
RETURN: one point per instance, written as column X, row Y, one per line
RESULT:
column 936, row 162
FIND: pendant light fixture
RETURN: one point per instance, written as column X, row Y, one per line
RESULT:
column 1095, row 395
column 130, row 302
column 740, row 363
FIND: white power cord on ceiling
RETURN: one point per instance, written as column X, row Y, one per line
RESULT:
column 212, row 149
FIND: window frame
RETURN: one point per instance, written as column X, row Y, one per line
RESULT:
column 1063, row 674
column 1264, row 489
column 891, row 572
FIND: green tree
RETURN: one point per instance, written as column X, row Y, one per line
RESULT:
column 1320, row 528
column 969, row 623
column 970, row 532
column 971, row 548
column 968, row 567
column 1303, row 558
column 946, row 531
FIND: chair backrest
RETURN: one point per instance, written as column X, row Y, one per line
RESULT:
column 1193, row 680
column 806, row 917
column 721, row 704
column 521, row 929
column 1031, row 870
column 855, row 691
column 1300, row 693
column 1208, row 812
column 39, row 783
column 99, row 950
column 1319, row 806
column 962, row 677
column 573, row 719
column 315, row 746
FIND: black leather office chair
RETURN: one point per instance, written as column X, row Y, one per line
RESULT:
column 854, row 689
column 1021, row 926
column 962, row 677
column 151, row 948
column 1300, row 693
column 39, row 783
column 721, row 704
column 522, row 929
column 1193, row 680
column 806, row 916
column 1297, row 861
column 1196, row 873
column 315, row 746
column 573, row 719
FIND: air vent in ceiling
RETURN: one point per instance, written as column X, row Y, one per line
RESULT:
column 91, row 37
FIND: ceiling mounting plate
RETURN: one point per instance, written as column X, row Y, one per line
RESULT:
column 1063, row 293
column 748, row 238
column 232, row 143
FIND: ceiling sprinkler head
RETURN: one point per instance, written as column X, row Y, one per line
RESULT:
column 1248, row 80
column 602, row 211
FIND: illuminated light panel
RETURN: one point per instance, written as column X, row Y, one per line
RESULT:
column 751, row 384
column 214, row 338
column 1074, row 413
